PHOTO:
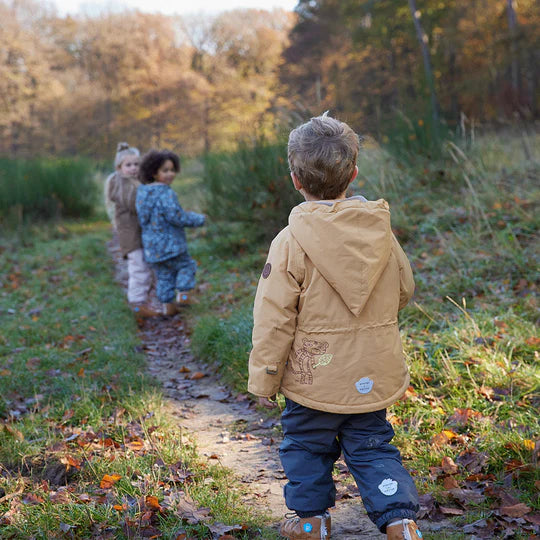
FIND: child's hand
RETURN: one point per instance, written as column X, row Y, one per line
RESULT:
column 268, row 402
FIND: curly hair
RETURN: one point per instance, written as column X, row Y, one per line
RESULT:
column 153, row 160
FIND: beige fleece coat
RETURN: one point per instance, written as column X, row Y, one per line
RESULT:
column 326, row 311
column 122, row 192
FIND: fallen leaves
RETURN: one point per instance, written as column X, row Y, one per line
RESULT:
column 109, row 480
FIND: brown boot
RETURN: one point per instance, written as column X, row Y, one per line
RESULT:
column 405, row 529
column 312, row 528
column 143, row 311
column 183, row 299
column 170, row 309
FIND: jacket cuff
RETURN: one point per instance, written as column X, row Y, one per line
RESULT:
column 264, row 381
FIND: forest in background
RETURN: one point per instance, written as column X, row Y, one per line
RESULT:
column 76, row 86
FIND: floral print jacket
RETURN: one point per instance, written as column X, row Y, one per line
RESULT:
column 162, row 221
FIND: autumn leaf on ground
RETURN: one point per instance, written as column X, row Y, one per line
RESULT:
column 152, row 503
column 109, row 480
column 461, row 417
column 448, row 465
column 224, row 530
column 449, row 482
column 32, row 498
column 197, row 375
column 473, row 461
column 451, row 511
column 187, row 510
column 70, row 461
column 443, row 438
column 467, row 496
column 14, row 432
column 515, row 511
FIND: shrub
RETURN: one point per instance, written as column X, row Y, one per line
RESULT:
column 251, row 186
column 46, row 188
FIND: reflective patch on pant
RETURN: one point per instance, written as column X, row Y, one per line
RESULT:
column 308, row 527
column 364, row 385
column 388, row 487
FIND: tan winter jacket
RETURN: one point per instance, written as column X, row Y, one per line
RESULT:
column 325, row 315
column 122, row 191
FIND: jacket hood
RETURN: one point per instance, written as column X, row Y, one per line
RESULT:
column 349, row 242
column 151, row 193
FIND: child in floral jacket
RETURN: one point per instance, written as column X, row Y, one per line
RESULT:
column 162, row 221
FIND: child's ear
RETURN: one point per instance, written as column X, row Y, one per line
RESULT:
column 354, row 175
column 297, row 185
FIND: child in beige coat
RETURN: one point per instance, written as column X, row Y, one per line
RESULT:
column 120, row 194
column 326, row 336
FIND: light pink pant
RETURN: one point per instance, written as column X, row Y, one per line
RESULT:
column 139, row 277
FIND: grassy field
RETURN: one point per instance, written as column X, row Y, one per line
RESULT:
column 468, row 425
column 85, row 449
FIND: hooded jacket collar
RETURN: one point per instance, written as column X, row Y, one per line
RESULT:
column 349, row 241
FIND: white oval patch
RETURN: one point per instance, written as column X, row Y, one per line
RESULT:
column 388, row 487
column 364, row 385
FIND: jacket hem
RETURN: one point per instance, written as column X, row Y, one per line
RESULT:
column 346, row 409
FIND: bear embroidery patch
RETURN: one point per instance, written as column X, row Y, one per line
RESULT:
column 388, row 487
column 266, row 270
column 311, row 355
column 364, row 385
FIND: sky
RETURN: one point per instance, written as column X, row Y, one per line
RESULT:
column 181, row 7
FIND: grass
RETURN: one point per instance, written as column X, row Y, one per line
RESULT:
column 469, row 223
column 76, row 405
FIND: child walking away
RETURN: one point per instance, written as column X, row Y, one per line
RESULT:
column 326, row 336
column 163, row 220
column 121, row 192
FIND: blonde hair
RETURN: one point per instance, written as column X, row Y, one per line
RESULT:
column 122, row 151
column 116, row 190
column 322, row 154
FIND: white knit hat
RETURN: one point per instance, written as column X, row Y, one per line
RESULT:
column 122, row 151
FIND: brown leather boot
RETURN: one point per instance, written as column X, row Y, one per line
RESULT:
column 170, row 309
column 143, row 311
column 405, row 529
column 183, row 299
column 312, row 528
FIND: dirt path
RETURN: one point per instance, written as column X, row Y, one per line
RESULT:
column 227, row 428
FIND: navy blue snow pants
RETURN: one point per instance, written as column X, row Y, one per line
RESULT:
column 174, row 274
column 313, row 441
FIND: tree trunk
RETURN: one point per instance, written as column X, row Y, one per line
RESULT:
column 422, row 39
column 512, row 25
